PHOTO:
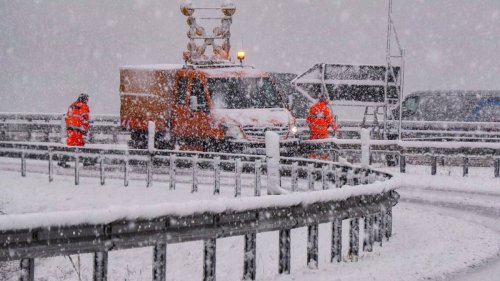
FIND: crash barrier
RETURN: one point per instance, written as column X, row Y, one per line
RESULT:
column 106, row 129
column 360, row 194
column 419, row 130
column 50, row 127
column 465, row 154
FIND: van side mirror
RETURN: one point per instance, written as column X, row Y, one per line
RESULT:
column 193, row 103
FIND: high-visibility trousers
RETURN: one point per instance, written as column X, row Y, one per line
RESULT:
column 75, row 138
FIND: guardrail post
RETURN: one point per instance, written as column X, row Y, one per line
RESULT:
column 434, row 165
column 115, row 136
column 258, row 183
column 273, row 163
column 151, row 135
column 350, row 177
column 336, row 156
column 466, row 167
column 338, row 177
column 368, row 237
column 194, row 163
column 23, row 163
column 497, row 168
column 388, row 225
column 382, row 226
column 402, row 163
column 371, row 178
column 101, row 266
column 77, row 167
column 237, row 172
column 149, row 171
column 365, row 147
column 295, row 176
column 312, row 246
column 126, row 169
column 250, row 255
column 284, row 256
column 364, row 178
column 217, row 175
column 160, row 261
column 371, row 238
column 310, row 177
column 376, row 228
column 324, row 177
column 101, row 168
column 51, row 165
column 63, row 132
column 171, row 171
column 27, row 269
column 354, row 239
column 336, row 247
column 209, row 260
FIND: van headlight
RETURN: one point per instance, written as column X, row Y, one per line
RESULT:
column 294, row 130
column 233, row 132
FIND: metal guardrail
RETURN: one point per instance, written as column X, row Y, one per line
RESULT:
column 422, row 130
column 373, row 203
column 465, row 154
column 49, row 127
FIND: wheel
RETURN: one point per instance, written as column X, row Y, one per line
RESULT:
column 138, row 140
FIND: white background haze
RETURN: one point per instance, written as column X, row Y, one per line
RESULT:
column 52, row 50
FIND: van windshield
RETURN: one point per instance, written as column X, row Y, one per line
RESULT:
column 239, row 93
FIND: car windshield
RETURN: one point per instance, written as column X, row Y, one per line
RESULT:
column 487, row 110
column 452, row 107
column 238, row 93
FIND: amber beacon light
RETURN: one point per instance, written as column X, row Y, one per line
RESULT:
column 241, row 56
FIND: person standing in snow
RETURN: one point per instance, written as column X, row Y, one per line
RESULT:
column 77, row 123
column 319, row 120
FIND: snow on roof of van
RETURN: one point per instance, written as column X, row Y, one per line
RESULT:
column 233, row 71
column 153, row 66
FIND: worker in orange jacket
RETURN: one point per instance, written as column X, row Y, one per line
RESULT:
column 77, row 124
column 319, row 120
column 77, row 121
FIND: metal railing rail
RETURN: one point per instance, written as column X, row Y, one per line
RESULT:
column 171, row 159
column 420, row 153
column 106, row 128
column 373, row 203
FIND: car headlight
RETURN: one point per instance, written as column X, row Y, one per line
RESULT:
column 234, row 132
column 294, row 130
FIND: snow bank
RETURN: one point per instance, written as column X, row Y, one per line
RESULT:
column 487, row 186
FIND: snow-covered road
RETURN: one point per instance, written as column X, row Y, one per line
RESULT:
column 444, row 229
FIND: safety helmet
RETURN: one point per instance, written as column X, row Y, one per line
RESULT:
column 83, row 97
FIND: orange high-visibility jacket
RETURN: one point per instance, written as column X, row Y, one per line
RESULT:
column 319, row 120
column 77, row 117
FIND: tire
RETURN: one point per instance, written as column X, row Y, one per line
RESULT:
column 138, row 140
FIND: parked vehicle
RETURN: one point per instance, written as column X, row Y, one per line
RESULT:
column 452, row 115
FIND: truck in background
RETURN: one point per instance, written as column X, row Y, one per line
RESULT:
column 210, row 103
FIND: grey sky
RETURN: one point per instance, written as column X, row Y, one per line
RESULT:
column 52, row 50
